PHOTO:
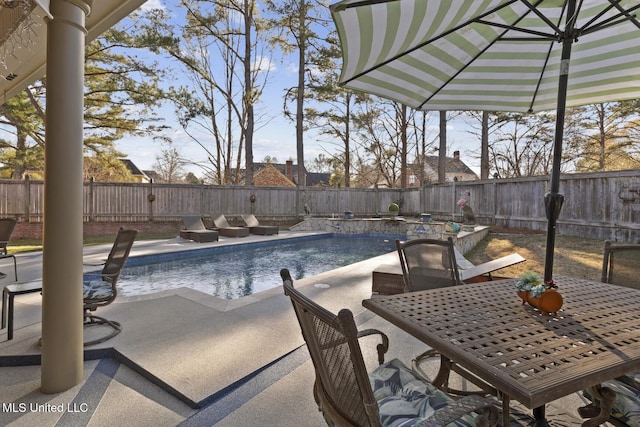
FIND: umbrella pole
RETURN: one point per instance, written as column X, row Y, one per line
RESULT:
column 553, row 199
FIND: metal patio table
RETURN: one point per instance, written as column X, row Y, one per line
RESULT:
column 534, row 359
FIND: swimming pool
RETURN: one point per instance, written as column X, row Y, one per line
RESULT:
column 234, row 271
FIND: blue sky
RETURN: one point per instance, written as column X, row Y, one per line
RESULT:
column 275, row 135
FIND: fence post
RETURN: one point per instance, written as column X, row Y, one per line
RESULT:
column 151, row 198
column 92, row 214
column 27, row 199
column 495, row 200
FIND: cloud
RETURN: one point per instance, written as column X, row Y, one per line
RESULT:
column 152, row 4
column 264, row 63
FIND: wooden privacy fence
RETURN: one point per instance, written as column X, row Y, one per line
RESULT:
column 599, row 205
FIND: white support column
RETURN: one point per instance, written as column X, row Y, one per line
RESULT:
column 62, row 333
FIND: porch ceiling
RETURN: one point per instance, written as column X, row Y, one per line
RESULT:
column 23, row 38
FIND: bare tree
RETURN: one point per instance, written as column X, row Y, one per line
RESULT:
column 169, row 165
column 221, row 49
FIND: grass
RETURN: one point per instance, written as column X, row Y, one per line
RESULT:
column 574, row 256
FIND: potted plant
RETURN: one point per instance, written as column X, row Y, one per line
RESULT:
column 532, row 289
column 394, row 209
column 526, row 282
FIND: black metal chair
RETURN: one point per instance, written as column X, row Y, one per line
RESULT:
column 348, row 396
column 431, row 264
column 7, row 226
column 99, row 289
column 428, row 264
column 621, row 264
column 619, row 397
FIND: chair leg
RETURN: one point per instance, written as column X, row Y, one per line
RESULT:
column 5, row 297
column 10, row 319
column 93, row 320
column 600, row 410
column 441, row 379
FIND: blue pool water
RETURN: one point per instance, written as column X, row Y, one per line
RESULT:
column 235, row 271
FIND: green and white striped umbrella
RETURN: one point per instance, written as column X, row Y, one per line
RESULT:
column 494, row 55
column 500, row 55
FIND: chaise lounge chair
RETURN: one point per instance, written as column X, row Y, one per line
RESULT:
column 223, row 227
column 195, row 230
column 470, row 272
column 255, row 228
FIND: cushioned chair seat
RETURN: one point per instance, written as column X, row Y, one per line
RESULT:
column 195, row 230
column 406, row 400
column 96, row 289
column 256, row 228
column 626, row 406
column 223, row 227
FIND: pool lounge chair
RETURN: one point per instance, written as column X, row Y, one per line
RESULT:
column 195, row 230
column 255, row 228
column 223, row 227
column 470, row 272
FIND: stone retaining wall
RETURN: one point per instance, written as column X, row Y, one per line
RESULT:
column 413, row 229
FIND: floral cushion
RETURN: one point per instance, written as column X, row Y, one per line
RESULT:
column 96, row 289
column 626, row 407
column 406, row 400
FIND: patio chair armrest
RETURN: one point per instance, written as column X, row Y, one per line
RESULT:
column 487, row 413
column 381, row 347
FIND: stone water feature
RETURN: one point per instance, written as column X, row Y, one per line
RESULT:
column 413, row 228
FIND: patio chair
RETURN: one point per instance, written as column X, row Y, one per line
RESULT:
column 7, row 225
column 431, row 264
column 99, row 289
column 428, row 264
column 195, row 230
column 391, row 394
column 256, row 228
column 223, row 227
column 620, row 266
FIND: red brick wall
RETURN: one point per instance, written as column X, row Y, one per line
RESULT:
column 33, row 230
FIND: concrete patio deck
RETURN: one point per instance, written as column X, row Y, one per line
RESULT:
column 189, row 359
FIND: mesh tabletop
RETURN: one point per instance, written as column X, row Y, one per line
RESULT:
column 532, row 358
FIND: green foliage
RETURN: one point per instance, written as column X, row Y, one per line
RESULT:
column 609, row 137
column 120, row 99
column 528, row 281
column 103, row 167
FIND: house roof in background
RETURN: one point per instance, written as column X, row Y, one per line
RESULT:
column 313, row 178
column 135, row 171
column 452, row 165
column 270, row 176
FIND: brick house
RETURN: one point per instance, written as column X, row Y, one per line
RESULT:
column 286, row 175
column 454, row 167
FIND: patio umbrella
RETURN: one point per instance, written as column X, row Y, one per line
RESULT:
column 494, row 55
